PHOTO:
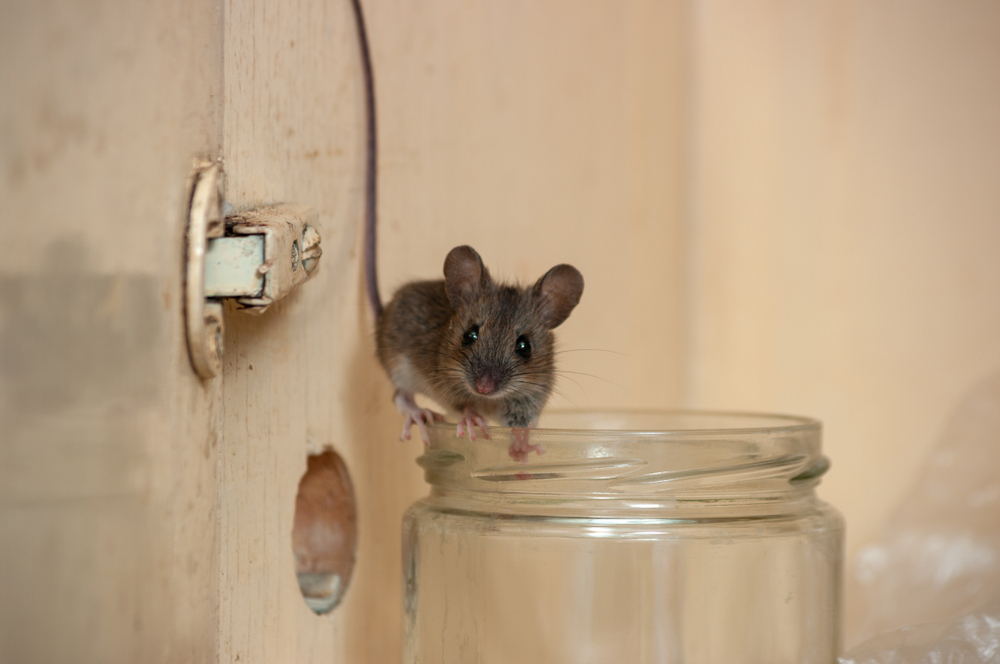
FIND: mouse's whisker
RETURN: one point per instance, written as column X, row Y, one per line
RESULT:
column 566, row 397
column 542, row 387
column 589, row 350
column 563, row 372
column 574, row 382
column 553, row 390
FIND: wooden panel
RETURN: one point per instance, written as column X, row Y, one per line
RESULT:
column 844, row 225
column 538, row 132
column 293, row 129
column 107, row 439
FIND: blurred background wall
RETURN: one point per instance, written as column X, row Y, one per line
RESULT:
column 784, row 206
column 844, row 225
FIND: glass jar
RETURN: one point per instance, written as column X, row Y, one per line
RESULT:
column 630, row 538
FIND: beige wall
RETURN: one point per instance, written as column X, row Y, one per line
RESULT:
column 542, row 133
column 845, row 225
column 780, row 206
column 535, row 145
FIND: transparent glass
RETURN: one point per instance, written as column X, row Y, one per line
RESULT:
column 634, row 537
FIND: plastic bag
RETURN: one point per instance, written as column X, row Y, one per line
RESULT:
column 930, row 588
column 972, row 639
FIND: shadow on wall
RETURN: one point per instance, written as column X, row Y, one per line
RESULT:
column 69, row 336
column 77, row 378
column 78, row 387
column 387, row 481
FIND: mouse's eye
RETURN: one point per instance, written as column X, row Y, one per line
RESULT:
column 470, row 336
column 523, row 347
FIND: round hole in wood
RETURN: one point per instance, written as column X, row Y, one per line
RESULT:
column 325, row 533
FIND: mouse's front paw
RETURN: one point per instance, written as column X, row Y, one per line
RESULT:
column 520, row 447
column 415, row 415
column 469, row 421
column 421, row 417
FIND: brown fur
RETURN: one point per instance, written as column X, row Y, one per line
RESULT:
column 420, row 337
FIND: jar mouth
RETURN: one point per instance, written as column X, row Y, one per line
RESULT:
column 662, row 423
column 624, row 459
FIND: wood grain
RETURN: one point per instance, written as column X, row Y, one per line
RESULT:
column 108, row 441
column 535, row 145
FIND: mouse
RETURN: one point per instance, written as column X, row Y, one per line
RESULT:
column 480, row 347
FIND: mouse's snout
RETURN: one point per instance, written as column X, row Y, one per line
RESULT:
column 485, row 384
column 488, row 381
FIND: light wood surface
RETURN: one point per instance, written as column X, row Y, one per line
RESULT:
column 479, row 144
column 108, row 441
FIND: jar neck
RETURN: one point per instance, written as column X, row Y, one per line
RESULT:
column 688, row 473
column 682, row 509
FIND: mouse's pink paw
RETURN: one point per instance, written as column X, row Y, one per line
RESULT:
column 520, row 448
column 421, row 417
column 469, row 421
column 416, row 415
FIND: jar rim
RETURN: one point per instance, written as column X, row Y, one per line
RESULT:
column 656, row 458
column 777, row 423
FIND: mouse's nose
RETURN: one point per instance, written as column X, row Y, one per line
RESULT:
column 485, row 384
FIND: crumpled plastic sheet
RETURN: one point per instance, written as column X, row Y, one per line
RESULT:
column 928, row 592
column 972, row 639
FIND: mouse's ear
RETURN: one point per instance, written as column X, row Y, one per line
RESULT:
column 558, row 292
column 464, row 275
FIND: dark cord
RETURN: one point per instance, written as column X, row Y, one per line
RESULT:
column 371, row 268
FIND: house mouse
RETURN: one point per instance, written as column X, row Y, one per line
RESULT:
column 478, row 346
